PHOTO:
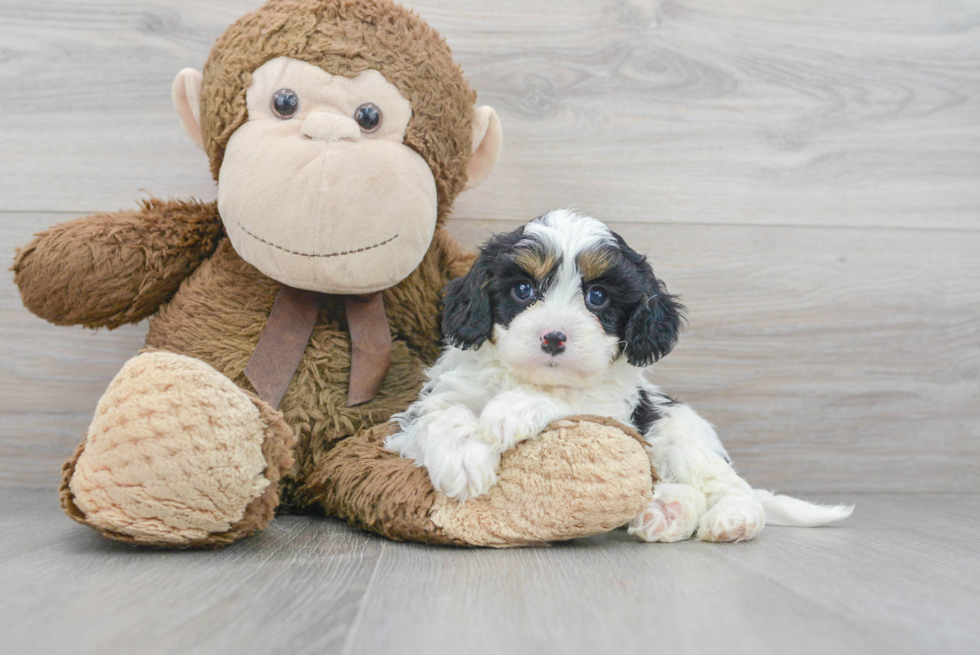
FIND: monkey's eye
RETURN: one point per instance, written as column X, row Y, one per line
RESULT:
column 523, row 292
column 596, row 298
column 368, row 117
column 285, row 103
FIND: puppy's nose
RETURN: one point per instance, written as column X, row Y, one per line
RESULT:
column 553, row 343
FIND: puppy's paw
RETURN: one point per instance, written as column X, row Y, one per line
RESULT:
column 466, row 469
column 673, row 514
column 733, row 518
column 512, row 417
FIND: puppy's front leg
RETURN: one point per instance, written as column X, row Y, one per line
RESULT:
column 446, row 443
column 513, row 416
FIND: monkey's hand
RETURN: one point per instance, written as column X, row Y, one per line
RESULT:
column 107, row 270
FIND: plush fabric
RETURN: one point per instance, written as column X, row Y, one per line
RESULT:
column 348, row 37
column 178, row 455
column 107, row 270
column 222, row 308
column 340, row 466
column 581, row 476
column 294, row 207
column 182, row 452
column 186, row 93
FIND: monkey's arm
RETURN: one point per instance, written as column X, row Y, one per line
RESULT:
column 107, row 270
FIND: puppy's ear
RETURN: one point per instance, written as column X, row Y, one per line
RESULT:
column 467, row 316
column 655, row 324
column 652, row 330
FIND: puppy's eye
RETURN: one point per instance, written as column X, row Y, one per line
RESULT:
column 596, row 298
column 285, row 103
column 523, row 292
column 368, row 117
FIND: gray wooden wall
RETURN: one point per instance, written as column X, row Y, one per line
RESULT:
column 805, row 174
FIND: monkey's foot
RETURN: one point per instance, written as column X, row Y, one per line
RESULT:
column 582, row 476
column 177, row 455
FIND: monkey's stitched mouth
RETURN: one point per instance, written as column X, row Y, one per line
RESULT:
column 313, row 254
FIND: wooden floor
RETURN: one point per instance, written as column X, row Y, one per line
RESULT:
column 895, row 578
column 805, row 174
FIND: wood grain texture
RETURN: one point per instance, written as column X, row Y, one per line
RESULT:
column 852, row 589
column 804, row 175
column 893, row 579
column 725, row 111
column 295, row 589
column 829, row 359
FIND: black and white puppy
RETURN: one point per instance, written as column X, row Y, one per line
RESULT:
column 559, row 318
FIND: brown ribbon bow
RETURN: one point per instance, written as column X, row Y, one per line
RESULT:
column 286, row 335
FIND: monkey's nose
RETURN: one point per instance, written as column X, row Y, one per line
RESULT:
column 553, row 343
column 324, row 126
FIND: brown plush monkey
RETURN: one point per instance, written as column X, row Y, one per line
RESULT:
column 339, row 133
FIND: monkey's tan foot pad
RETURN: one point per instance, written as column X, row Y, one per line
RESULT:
column 177, row 456
column 582, row 476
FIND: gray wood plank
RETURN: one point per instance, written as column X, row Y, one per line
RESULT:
column 895, row 578
column 891, row 559
column 34, row 445
column 830, row 359
column 881, row 583
column 294, row 588
column 729, row 111
column 50, row 377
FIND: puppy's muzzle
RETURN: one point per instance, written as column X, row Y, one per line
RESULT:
column 553, row 343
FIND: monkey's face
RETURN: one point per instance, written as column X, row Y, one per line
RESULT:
column 317, row 189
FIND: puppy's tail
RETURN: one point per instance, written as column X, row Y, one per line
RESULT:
column 785, row 510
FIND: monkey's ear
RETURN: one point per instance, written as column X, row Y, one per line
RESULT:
column 467, row 316
column 186, row 93
column 488, row 139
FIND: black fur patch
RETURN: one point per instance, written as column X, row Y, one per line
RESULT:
column 649, row 410
column 466, row 317
column 653, row 328
column 640, row 311
column 483, row 297
column 509, row 272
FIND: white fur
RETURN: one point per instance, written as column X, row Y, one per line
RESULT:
column 786, row 510
column 589, row 349
column 673, row 513
column 480, row 403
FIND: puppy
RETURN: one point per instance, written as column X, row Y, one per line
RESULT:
column 559, row 318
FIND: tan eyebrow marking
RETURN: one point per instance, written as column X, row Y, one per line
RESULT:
column 594, row 263
column 537, row 261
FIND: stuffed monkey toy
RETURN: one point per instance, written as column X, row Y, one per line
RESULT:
column 291, row 318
